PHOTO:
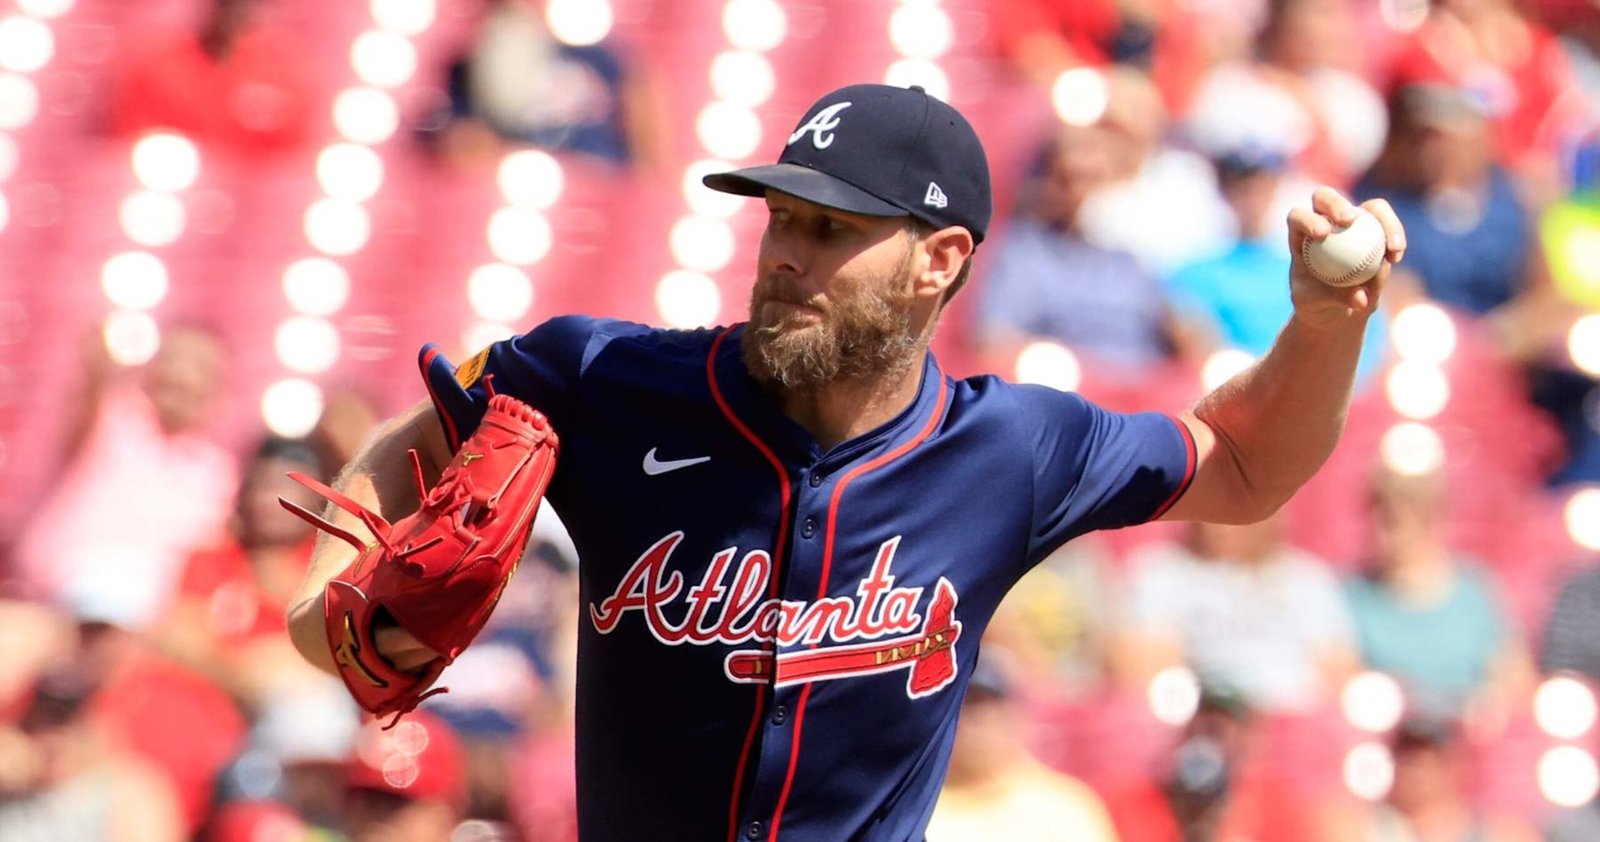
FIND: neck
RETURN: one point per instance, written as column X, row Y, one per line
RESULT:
column 838, row 412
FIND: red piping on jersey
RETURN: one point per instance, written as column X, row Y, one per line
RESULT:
column 772, row 587
column 827, row 565
column 1188, row 470
column 439, row 409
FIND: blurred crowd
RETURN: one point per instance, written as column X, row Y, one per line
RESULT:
column 1195, row 683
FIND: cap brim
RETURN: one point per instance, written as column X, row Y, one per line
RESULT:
column 805, row 183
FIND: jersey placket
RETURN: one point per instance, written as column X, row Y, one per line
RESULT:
column 778, row 759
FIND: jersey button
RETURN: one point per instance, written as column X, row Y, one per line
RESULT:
column 752, row 830
column 809, row 528
column 780, row 715
column 816, row 479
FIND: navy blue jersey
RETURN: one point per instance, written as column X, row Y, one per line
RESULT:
column 776, row 639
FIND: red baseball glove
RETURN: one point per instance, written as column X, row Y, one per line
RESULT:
column 439, row 572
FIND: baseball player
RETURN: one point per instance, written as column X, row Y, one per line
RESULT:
column 794, row 530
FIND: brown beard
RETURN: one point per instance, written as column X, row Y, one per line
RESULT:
column 863, row 333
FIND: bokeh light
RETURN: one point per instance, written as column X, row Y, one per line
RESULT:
column 26, row 44
column 919, row 71
column 1423, row 333
column 306, row 344
column 166, row 161
column 1173, row 696
column 1582, row 517
column 45, row 8
column 405, row 17
column 350, row 171
column 688, row 299
column 1568, row 776
column 1372, row 702
column 482, row 334
column 1368, row 771
column 498, row 292
column 921, row 30
column 1404, row 15
column 19, row 101
column 728, row 131
column 337, row 227
column 742, row 77
column 701, row 244
column 1080, row 96
column 519, row 236
column 1049, row 364
column 1411, row 449
column 1223, row 366
column 316, row 286
column 702, row 199
column 531, row 178
column 365, row 115
column 579, row 23
column 1418, row 391
column 757, row 25
column 132, row 337
column 1564, row 707
column 152, row 218
column 134, row 280
column 1583, row 343
column 291, row 407
column 383, row 59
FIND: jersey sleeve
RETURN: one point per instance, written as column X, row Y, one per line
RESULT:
column 542, row 367
column 1096, row 469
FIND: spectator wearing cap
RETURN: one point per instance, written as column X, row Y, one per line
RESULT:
column 1211, row 785
column 1301, row 84
column 1237, row 298
column 1518, row 72
column 996, row 789
column 405, row 784
column 1430, row 798
column 1469, row 237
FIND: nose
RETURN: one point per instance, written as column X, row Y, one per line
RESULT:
column 780, row 254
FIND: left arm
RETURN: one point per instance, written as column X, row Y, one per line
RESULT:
column 1263, row 434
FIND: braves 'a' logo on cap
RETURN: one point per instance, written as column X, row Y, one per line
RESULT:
column 821, row 125
column 727, row 607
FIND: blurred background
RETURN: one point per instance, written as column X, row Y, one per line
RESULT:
column 226, row 226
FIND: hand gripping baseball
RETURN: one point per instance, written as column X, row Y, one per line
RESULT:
column 439, row 572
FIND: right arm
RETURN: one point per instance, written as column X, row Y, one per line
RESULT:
column 380, row 478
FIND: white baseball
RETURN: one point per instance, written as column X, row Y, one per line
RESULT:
column 1350, row 255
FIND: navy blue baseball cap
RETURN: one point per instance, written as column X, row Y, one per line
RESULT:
column 880, row 151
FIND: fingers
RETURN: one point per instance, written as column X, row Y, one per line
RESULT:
column 1394, row 233
column 1305, row 223
column 401, row 649
column 1332, row 204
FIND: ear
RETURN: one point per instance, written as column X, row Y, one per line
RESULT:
column 946, row 252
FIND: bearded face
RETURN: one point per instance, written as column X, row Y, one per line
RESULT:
column 800, row 341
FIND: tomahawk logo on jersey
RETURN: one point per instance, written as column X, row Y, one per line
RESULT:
column 774, row 645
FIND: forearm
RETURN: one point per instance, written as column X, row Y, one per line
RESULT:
column 1280, row 420
column 380, row 478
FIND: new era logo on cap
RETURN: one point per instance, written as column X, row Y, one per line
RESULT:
column 879, row 151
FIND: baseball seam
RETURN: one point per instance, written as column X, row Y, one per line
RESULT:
column 1365, row 268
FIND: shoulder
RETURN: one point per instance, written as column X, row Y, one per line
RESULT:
column 585, row 338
